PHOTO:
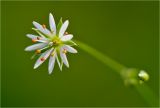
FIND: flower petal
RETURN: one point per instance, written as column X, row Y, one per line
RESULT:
column 52, row 24
column 70, row 49
column 64, row 57
column 70, row 43
column 67, row 37
column 31, row 36
column 36, row 46
column 52, row 62
column 44, row 55
column 39, row 32
column 63, row 28
column 43, row 41
column 40, row 28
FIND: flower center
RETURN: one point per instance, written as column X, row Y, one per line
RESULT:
column 56, row 41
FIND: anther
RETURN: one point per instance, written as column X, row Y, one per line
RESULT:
column 44, row 26
column 38, row 38
column 66, row 33
column 64, row 51
column 42, row 59
column 34, row 40
column 38, row 51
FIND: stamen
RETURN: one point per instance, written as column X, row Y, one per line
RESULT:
column 38, row 38
column 66, row 33
column 44, row 48
column 34, row 40
column 38, row 51
column 44, row 26
column 64, row 51
column 42, row 59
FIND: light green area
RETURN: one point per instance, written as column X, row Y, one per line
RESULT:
column 125, row 31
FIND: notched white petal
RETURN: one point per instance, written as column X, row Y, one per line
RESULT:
column 31, row 36
column 64, row 57
column 36, row 46
column 51, row 63
column 52, row 24
column 63, row 28
column 70, row 49
column 44, row 55
column 39, row 32
column 40, row 28
column 67, row 37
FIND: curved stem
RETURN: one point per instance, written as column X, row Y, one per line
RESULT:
column 143, row 89
column 101, row 57
column 147, row 94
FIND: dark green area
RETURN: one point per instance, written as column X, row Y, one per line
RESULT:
column 125, row 31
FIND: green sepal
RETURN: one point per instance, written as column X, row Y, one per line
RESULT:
column 59, row 25
column 70, row 42
column 33, row 56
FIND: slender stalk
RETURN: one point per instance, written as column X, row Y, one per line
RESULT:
column 147, row 94
column 129, row 75
column 101, row 57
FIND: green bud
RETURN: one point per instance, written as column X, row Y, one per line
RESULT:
column 133, row 76
column 143, row 76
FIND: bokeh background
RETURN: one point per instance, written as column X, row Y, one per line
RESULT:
column 125, row 31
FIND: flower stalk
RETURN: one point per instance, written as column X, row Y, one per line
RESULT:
column 131, row 76
column 56, row 43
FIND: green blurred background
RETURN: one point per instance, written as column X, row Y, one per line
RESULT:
column 125, row 31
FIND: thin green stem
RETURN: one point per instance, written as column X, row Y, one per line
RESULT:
column 147, row 94
column 128, row 74
column 101, row 57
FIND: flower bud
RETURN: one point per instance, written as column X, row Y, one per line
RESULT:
column 143, row 75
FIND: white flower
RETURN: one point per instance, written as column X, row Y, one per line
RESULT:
column 52, row 44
